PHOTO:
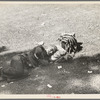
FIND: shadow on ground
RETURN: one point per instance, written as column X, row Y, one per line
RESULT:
column 79, row 76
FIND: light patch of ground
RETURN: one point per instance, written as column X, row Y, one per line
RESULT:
column 95, row 82
column 5, row 92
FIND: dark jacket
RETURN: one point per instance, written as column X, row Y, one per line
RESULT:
column 20, row 64
column 38, row 56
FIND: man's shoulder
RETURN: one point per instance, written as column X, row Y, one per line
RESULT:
column 39, row 48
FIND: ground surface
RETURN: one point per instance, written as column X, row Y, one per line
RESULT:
column 22, row 26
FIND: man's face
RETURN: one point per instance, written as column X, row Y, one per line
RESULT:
column 51, row 51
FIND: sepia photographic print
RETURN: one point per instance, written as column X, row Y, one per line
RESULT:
column 49, row 49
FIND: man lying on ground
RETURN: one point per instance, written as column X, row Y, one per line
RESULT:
column 20, row 64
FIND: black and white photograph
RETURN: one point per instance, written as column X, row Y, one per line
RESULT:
column 49, row 48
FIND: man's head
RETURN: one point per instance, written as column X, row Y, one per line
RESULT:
column 51, row 50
